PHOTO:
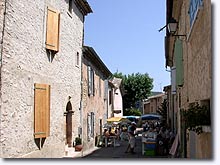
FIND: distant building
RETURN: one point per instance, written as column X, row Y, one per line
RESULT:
column 117, row 97
column 153, row 103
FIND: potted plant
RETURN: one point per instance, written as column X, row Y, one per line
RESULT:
column 196, row 117
column 78, row 144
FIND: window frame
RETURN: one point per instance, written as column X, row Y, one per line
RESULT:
column 90, row 125
column 70, row 6
column 77, row 59
column 91, row 81
column 194, row 7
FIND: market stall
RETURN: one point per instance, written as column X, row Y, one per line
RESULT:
column 149, row 143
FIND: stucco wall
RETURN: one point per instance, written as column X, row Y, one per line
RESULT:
column 118, row 104
column 197, row 54
column 199, row 146
column 26, row 62
column 197, row 64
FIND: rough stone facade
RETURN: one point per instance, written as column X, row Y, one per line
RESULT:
column 25, row 62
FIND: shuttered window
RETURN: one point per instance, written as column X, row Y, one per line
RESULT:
column 194, row 6
column 91, row 125
column 91, row 84
column 173, row 80
column 41, row 110
column 53, row 28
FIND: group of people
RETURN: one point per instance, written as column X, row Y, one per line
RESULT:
column 124, row 133
column 162, row 134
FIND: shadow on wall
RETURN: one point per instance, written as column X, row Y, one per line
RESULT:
column 50, row 55
column 39, row 142
column 75, row 10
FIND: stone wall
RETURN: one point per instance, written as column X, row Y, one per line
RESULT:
column 25, row 62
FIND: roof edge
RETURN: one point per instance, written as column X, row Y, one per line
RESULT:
column 83, row 6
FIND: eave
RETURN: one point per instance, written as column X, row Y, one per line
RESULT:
column 83, row 6
column 173, row 11
column 90, row 54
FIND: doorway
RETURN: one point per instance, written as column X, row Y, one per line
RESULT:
column 69, row 112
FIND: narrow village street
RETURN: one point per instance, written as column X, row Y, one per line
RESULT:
column 119, row 152
column 84, row 79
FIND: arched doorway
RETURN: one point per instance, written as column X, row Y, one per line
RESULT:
column 68, row 115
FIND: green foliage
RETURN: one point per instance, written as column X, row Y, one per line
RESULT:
column 132, row 112
column 78, row 141
column 197, row 116
column 136, row 86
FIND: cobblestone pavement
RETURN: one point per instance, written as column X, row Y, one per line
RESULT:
column 119, row 152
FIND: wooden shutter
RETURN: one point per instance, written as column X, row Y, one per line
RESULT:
column 173, row 80
column 89, row 81
column 178, row 53
column 88, row 126
column 92, row 124
column 53, row 27
column 41, row 110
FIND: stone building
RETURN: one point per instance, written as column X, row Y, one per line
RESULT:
column 188, row 54
column 117, row 97
column 40, row 76
column 95, row 97
column 153, row 103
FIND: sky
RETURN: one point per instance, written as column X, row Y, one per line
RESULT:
column 125, row 36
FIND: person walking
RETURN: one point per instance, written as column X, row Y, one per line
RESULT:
column 131, row 140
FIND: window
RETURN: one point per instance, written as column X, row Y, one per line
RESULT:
column 52, row 31
column 77, row 59
column 193, row 9
column 90, row 126
column 70, row 9
column 91, row 83
column 41, row 110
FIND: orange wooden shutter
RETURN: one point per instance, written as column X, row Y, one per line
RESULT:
column 53, row 26
column 41, row 110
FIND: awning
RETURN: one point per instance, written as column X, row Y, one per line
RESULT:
column 151, row 117
column 117, row 119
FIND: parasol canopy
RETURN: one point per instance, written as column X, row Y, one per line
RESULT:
column 151, row 117
column 117, row 119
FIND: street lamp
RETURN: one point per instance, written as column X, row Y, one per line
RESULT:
column 172, row 27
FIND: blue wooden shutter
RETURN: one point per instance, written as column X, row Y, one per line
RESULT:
column 173, row 80
column 89, row 81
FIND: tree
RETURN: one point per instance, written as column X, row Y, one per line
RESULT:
column 136, row 87
column 163, row 111
column 132, row 112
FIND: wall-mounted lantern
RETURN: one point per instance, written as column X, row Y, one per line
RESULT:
column 172, row 27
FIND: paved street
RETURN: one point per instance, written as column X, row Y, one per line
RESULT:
column 119, row 152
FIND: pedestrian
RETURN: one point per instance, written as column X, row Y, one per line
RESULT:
column 131, row 135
